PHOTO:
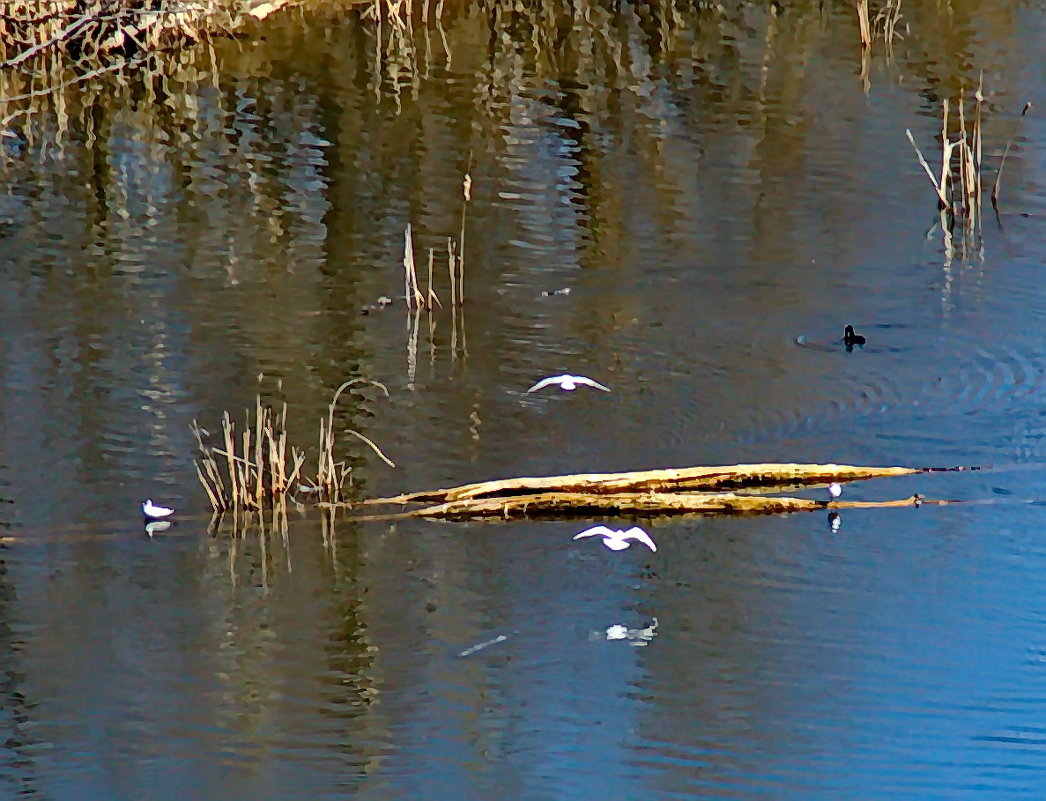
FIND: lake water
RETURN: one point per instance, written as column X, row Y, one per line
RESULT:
column 721, row 190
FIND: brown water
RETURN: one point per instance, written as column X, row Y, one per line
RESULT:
column 721, row 191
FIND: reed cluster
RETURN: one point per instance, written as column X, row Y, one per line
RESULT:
column 256, row 468
column 959, row 186
column 249, row 468
column 428, row 300
column 416, row 300
column 884, row 23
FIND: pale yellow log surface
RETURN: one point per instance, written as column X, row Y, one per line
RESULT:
column 764, row 477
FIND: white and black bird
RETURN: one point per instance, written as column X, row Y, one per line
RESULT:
column 154, row 512
column 617, row 540
column 568, row 383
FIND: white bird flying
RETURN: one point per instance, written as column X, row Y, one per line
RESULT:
column 154, row 512
column 567, row 382
column 617, row 540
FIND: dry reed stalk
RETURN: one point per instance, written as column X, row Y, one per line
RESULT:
column 452, row 270
column 1002, row 164
column 466, row 190
column 887, row 19
column 947, row 146
column 412, row 295
column 971, row 165
column 966, row 188
column 230, row 451
column 208, row 473
column 413, row 324
column 374, row 447
column 261, row 420
column 432, row 297
column 208, row 487
column 863, row 23
column 941, row 199
column 331, row 475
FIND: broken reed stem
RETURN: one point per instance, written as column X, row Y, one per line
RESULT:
column 863, row 23
column 946, row 155
column 452, row 264
column 973, row 160
column 411, row 293
column 998, row 175
column 261, row 419
column 428, row 294
column 432, row 300
column 331, row 475
column 926, row 167
column 230, row 450
column 374, row 447
column 466, row 189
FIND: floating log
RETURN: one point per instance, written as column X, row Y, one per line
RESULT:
column 767, row 477
column 689, row 490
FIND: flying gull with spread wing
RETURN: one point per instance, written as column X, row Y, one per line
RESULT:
column 567, row 382
column 617, row 540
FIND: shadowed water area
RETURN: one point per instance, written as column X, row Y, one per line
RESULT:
column 721, row 189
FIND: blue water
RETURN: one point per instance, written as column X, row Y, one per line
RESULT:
column 720, row 194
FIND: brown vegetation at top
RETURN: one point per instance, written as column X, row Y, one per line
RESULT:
column 93, row 34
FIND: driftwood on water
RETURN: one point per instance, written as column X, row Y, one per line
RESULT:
column 690, row 490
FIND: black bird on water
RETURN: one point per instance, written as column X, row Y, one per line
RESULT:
column 851, row 338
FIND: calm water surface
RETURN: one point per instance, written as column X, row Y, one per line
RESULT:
column 720, row 191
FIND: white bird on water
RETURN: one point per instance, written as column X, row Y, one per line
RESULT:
column 617, row 540
column 154, row 512
column 835, row 489
column 567, row 382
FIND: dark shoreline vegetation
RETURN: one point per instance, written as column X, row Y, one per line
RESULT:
column 65, row 67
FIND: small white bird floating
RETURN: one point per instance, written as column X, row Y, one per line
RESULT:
column 835, row 489
column 154, row 512
column 635, row 637
column 567, row 382
column 617, row 540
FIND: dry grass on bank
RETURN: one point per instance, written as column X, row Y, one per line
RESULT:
column 93, row 33
column 97, row 36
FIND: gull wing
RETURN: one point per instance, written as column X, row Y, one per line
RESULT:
column 580, row 379
column 637, row 534
column 546, row 382
column 596, row 531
